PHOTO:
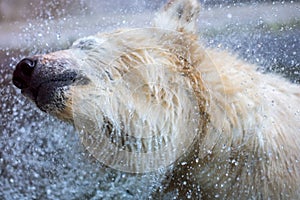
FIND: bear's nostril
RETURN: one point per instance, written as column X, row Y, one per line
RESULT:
column 23, row 72
column 26, row 66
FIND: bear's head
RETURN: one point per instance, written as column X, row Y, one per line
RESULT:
column 134, row 87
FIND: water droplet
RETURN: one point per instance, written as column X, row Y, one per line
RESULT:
column 58, row 36
column 48, row 191
column 183, row 163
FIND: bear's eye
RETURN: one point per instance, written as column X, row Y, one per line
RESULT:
column 85, row 44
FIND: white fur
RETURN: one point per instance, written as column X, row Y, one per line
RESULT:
column 248, row 144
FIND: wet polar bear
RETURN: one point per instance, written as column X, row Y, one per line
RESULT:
column 144, row 99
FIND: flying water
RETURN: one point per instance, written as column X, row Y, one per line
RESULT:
column 42, row 157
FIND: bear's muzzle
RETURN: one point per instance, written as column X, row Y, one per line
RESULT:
column 46, row 81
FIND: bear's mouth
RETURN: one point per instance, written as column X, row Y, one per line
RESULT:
column 51, row 95
column 32, row 91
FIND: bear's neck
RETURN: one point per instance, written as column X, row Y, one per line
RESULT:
column 225, row 153
column 242, row 142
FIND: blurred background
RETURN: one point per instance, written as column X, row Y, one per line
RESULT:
column 41, row 157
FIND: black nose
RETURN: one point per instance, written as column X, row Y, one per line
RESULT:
column 23, row 72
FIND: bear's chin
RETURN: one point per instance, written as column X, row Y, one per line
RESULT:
column 49, row 97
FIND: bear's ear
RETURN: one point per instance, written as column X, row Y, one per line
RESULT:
column 178, row 15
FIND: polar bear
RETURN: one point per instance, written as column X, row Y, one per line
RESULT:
column 151, row 98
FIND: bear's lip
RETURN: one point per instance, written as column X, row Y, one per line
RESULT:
column 60, row 80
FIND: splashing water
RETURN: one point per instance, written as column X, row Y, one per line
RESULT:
column 41, row 157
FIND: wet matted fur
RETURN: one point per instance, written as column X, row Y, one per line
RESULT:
column 244, row 125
